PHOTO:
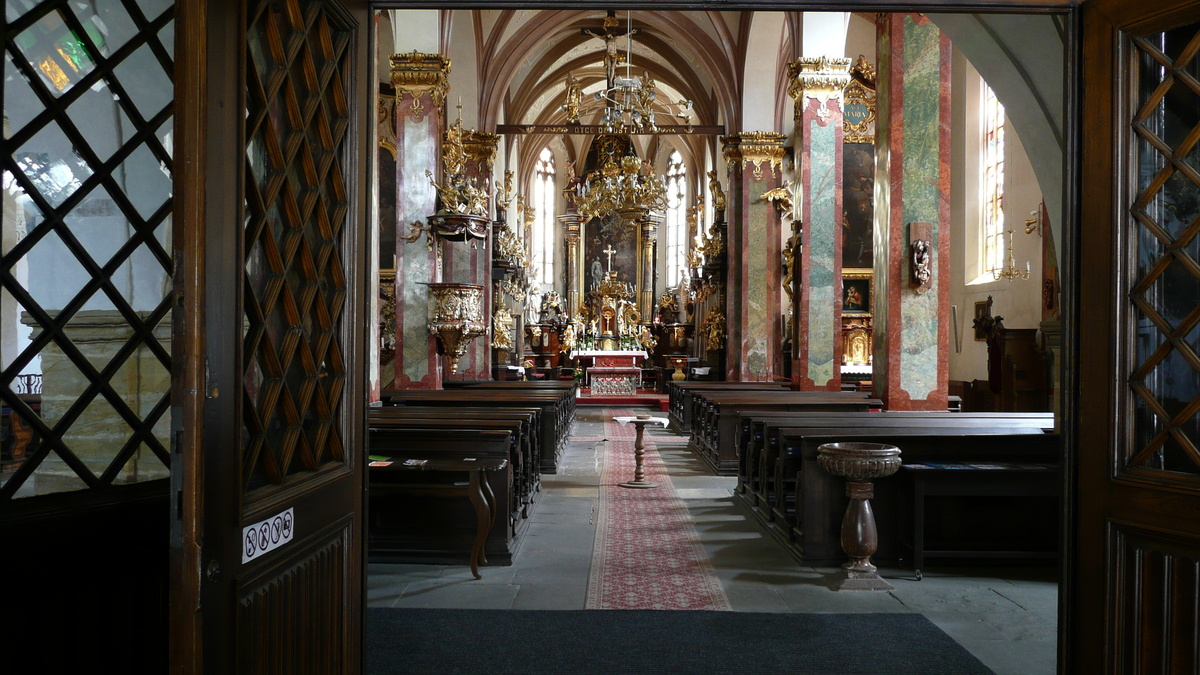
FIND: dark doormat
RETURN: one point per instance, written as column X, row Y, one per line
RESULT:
column 648, row 642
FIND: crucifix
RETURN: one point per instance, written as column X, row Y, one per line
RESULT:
column 612, row 54
column 609, row 252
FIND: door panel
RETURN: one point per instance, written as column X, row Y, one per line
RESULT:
column 276, row 495
column 1133, row 582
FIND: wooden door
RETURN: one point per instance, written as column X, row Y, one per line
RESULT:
column 270, row 541
column 1133, row 582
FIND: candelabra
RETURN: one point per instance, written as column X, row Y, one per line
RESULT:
column 1010, row 270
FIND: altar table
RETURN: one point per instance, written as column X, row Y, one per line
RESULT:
column 614, row 380
column 607, row 358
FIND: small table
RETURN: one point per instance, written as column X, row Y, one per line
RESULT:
column 976, row 479
column 639, row 450
column 476, row 490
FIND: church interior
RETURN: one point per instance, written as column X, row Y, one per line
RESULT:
column 732, row 316
column 766, row 230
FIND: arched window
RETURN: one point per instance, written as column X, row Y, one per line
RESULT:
column 542, row 245
column 992, row 173
column 676, row 218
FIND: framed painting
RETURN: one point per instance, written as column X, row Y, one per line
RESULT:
column 858, row 286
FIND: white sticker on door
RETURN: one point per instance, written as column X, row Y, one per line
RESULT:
column 268, row 535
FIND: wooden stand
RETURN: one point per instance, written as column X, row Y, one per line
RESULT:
column 639, row 453
column 858, row 463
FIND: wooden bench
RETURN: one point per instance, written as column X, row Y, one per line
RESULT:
column 758, row 439
column 974, row 479
column 679, row 397
column 476, row 489
column 713, row 437
column 410, row 523
column 521, row 423
column 557, row 410
column 811, row 528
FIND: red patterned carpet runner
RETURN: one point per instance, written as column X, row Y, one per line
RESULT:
column 647, row 554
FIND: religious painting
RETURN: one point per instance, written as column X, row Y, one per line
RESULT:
column 858, row 205
column 983, row 309
column 609, row 239
column 857, row 287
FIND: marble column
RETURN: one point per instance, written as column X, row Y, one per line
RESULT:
column 473, row 260
column 649, row 268
column 421, row 84
column 754, row 320
column 912, row 201
column 816, row 88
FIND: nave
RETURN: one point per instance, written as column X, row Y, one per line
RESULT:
column 1005, row 617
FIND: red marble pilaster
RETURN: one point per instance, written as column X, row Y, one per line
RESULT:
column 420, row 82
column 913, row 159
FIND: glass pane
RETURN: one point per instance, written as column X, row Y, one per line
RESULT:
column 49, row 161
column 99, row 118
column 119, row 434
column 55, row 52
column 1173, row 383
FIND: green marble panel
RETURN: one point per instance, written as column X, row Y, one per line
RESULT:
column 759, row 318
column 415, row 203
column 919, row 203
column 822, row 226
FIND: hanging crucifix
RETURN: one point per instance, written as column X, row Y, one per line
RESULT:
column 612, row 51
column 609, row 252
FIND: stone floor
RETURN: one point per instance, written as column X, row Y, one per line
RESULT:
column 1005, row 617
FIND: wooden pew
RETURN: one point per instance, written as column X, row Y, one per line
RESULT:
column 521, row 423
column 557, row 411
column 758, row 440
column 679, row 397
column 412, row 525
column 701, row 409
column 812, row 530
column 713, row 438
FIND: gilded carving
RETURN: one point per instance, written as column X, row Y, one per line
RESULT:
column 415, row 74
column 756, row 148
column 820, row 77
column 718, row 195
column 456, row 318
column 502, row 329
column 480, row 147
column 458, row 194
column 713, row 328
column 387, row 125
column 860, row 108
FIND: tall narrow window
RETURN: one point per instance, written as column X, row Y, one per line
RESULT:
column 992, row 172
column 543, row 225
column 676, row 223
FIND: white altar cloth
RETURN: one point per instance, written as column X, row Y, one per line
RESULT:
column 576, row 353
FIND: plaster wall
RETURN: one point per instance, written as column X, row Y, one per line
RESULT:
column 1018, row 301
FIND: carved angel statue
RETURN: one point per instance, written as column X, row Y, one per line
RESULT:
column 454, row 157
column 718, row 195
column 713, row 328
column 574, row 99
column 781, row 197
column 647, row 339
column 502, row 327
column 505, row 198
column 922, row 270
column 570, row 339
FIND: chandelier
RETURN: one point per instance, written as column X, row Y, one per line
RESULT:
column 622, row 185
column 626, row 104
column 1010, row 271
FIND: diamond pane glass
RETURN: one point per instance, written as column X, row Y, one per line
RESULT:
column 292, row 426
column 1166, row 377
column 83, row 397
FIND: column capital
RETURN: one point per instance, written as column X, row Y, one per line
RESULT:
column 820, row 77
column 754, row 148
column 417, row 74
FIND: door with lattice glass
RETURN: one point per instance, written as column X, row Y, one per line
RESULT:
column 275, row 531
column 1134, row 585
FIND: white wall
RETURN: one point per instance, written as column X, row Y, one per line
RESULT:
column 1018, row 301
